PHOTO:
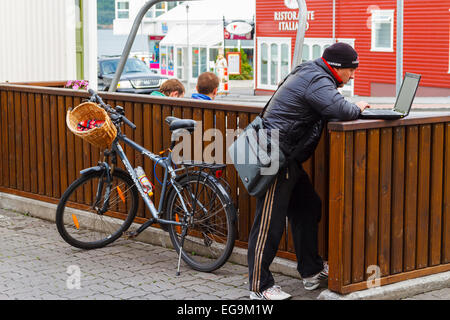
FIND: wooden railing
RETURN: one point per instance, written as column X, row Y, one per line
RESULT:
column 40, row 157
column 389, row 200
column 385, row 185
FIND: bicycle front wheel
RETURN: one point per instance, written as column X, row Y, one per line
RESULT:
column 211, row 228
column 90, row 228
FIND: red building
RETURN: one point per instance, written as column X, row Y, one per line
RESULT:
column 370, row 26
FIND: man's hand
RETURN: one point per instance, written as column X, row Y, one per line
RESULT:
column 362, row 105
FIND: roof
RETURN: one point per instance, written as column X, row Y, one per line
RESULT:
column 211, row 10
column 201, row 35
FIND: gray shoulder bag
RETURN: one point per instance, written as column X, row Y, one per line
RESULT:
column 256, row 155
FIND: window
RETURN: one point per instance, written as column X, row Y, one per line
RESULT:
column 383, row 30
column 161, row 8
column 199, row 61
column 274, row 61
column 180, row 62
column 123, row 9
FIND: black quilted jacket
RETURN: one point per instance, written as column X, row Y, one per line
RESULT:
column 301, row 107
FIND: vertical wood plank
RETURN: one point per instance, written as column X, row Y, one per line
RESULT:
column 157, row 146
column 244, row 198
column 384, row 225
column 12, row 141
column 4, row 139
column 139, row 158
column 197, row 115
column 18, row 138
column 71, row 175
column 320, row 186
column 437, row 176
column 2, row 134
column 348, row 210
column 359, row 199
column 55, row 147
column 372, row 191
column 147, row 124
column 446, row 197
column 337, row 206
column 40, row 145
column 33, row 143
column 48, row 145
column 398, row 185
column 25, row 142
column 423, row 196
column 61, row 114
column 78, row 147
column 412, row 143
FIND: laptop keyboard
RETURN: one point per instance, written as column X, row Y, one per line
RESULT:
column 380, row 112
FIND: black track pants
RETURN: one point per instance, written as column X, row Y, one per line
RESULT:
column 291, row 195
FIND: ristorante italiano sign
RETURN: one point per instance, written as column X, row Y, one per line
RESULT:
column 288, row 20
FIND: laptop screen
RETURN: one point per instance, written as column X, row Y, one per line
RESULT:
column 407, row 93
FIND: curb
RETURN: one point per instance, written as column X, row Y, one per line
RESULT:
column 155, row 236
column 395, row 291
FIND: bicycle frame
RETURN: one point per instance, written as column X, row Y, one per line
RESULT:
column 166, row 163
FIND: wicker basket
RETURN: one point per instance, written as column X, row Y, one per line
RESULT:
column 101, row 137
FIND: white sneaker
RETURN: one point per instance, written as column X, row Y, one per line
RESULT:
column 313, row 282
column 273, row 293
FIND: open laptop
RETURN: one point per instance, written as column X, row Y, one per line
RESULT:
column 403, row 103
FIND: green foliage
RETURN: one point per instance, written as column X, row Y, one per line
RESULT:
column 105, row 12
column 246, row 68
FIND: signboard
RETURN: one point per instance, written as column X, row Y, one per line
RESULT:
column 234, row 63
column 238, row 30
column 239, row 27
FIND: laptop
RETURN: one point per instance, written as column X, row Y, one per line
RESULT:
column 403, row 103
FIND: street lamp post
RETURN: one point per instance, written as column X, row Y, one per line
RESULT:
column 302, row 10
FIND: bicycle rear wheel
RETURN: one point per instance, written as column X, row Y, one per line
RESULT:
column 89, row 228
column 211, row 227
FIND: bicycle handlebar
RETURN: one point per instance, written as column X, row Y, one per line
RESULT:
column 96, row 98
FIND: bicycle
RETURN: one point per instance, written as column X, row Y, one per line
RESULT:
column 195, row 206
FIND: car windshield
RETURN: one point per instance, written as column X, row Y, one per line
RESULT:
column 132, row 66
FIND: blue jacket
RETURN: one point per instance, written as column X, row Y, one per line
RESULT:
column 200, row 96
column 302, row 105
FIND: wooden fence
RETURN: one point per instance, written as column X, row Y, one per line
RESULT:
column 389, row 200
column 385, row 185
column 40, row 157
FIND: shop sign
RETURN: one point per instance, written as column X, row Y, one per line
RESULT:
column 234, row 63
column 288, row 20
column 239, row 27
column 238, row 30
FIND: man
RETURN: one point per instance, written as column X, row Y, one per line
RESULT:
column 299, row 109
column 207, row 86
column 171, row 88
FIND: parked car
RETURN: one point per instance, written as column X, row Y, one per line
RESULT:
column 136, row 76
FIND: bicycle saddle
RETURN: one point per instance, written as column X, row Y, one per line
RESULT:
column 176, row 123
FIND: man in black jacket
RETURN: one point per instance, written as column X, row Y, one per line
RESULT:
column 299, row 110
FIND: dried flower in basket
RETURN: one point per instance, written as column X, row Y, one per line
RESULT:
column 77, row 84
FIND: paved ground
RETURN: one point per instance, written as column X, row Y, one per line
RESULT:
column 36, row 264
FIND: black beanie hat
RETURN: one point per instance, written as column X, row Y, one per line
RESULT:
column 341, row 55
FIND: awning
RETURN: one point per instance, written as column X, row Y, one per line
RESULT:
column 199, row 35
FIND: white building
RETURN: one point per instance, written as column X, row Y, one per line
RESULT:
column 184, row 42
column 48, row 40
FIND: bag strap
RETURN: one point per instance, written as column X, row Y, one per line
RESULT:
column 279, row 86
